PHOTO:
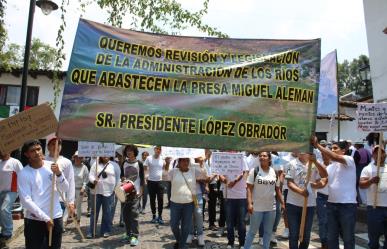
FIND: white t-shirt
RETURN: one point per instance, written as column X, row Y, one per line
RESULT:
column 203, row 171
column 298, row 172
column 7, row 167
column 131, row 172
column 371, row 171
column 35, row 192
column 180, row 192
column 105, row 186
column 81, row 176
column 264, row 189
column 285, row 157
column 238, row 191
column 342, row 181
column 66, row 167
column 155, row 168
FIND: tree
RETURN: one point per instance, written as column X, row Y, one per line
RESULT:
column 348, row 75
column 42, row 56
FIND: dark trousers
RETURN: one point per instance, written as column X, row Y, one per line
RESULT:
column 212, row 197
column 144, row 197
column 130, row 215
column 236, row 210
column 377, row 226
column 36, row 234
column 321, row 207
column 341, row 219
column 156, row 189
column 222, row 210
column 294, row 220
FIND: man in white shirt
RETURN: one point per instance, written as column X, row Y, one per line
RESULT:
column 9, row 168
column 154, row 166
column 35, row 187
column 376, row 217
column 342, row 204
column 66, row 167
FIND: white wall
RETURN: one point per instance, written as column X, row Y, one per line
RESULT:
column 348, row 129
column 375, row 13
column 46, row 92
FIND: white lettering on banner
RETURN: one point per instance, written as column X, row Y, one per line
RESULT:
column 372, row 117
column 94, row 149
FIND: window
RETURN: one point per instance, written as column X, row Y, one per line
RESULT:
column 10, row 95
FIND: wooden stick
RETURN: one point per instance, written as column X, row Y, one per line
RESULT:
column 72, row 216
column 95, row 197
column 378, row 167
column 305, row 206
column 56, row 152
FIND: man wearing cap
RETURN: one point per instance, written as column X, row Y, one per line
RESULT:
column 67, row 168
column 376, row 217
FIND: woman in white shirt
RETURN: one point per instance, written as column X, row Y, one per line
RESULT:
column 183, row 194
column 262, row 187
column 108, row 176
column 81, row 177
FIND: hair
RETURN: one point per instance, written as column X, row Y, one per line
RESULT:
column 26, row 146
column 144, row 153
column 131, row 147
column 342, row 144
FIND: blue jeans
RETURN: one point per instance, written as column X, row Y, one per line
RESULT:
column 106, row 202
column 181, row 221
column 377, row 226
column 7, row 199
column 236, row 210
column 341, row 218
column 294, row 221
column 276, row 220
column 321, row 209
column 268, row 218
column 198, row 217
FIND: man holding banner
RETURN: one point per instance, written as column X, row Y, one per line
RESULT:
column 376, row 216
column 34, row 185
column 342, row 204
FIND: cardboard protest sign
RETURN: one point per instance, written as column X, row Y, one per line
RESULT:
column 372, row 117
column 34, row 123
column 94, row 149
column 224, row 163
column 125, row 86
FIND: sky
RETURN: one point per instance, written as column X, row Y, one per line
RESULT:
column 339, row 24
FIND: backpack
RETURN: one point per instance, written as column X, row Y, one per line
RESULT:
column 256, row 170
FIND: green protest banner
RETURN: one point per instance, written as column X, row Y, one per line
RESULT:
column 245, row 94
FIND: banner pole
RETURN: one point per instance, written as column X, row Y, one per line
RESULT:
column 338, row 99
column 378, row 167
column 95, row 197
column 56, row 152
column 305, row 206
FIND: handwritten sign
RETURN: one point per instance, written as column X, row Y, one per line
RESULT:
column 94, row 149
column 372, row 117
column 34, row 123
column 227, row 163
column 177, row 152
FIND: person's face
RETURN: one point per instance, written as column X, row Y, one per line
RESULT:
column 157, row 151
column 34, row 153
column 144, row 155
column 382, row 156
column 51, row 147
column 184, row 164
column 208, row 153
column 130, row 154
column 264, row 158
column 104, row 159
column 78, row 160
column 336, row 149
column 303, row 157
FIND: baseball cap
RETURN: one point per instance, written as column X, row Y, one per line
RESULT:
column 53, row 139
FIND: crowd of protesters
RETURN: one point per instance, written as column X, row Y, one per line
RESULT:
column 334, row 181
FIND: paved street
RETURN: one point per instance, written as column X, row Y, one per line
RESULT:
column 160, row 236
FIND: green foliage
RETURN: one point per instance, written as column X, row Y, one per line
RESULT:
column 3, row 31
column 42, row 56
column 348, row 74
